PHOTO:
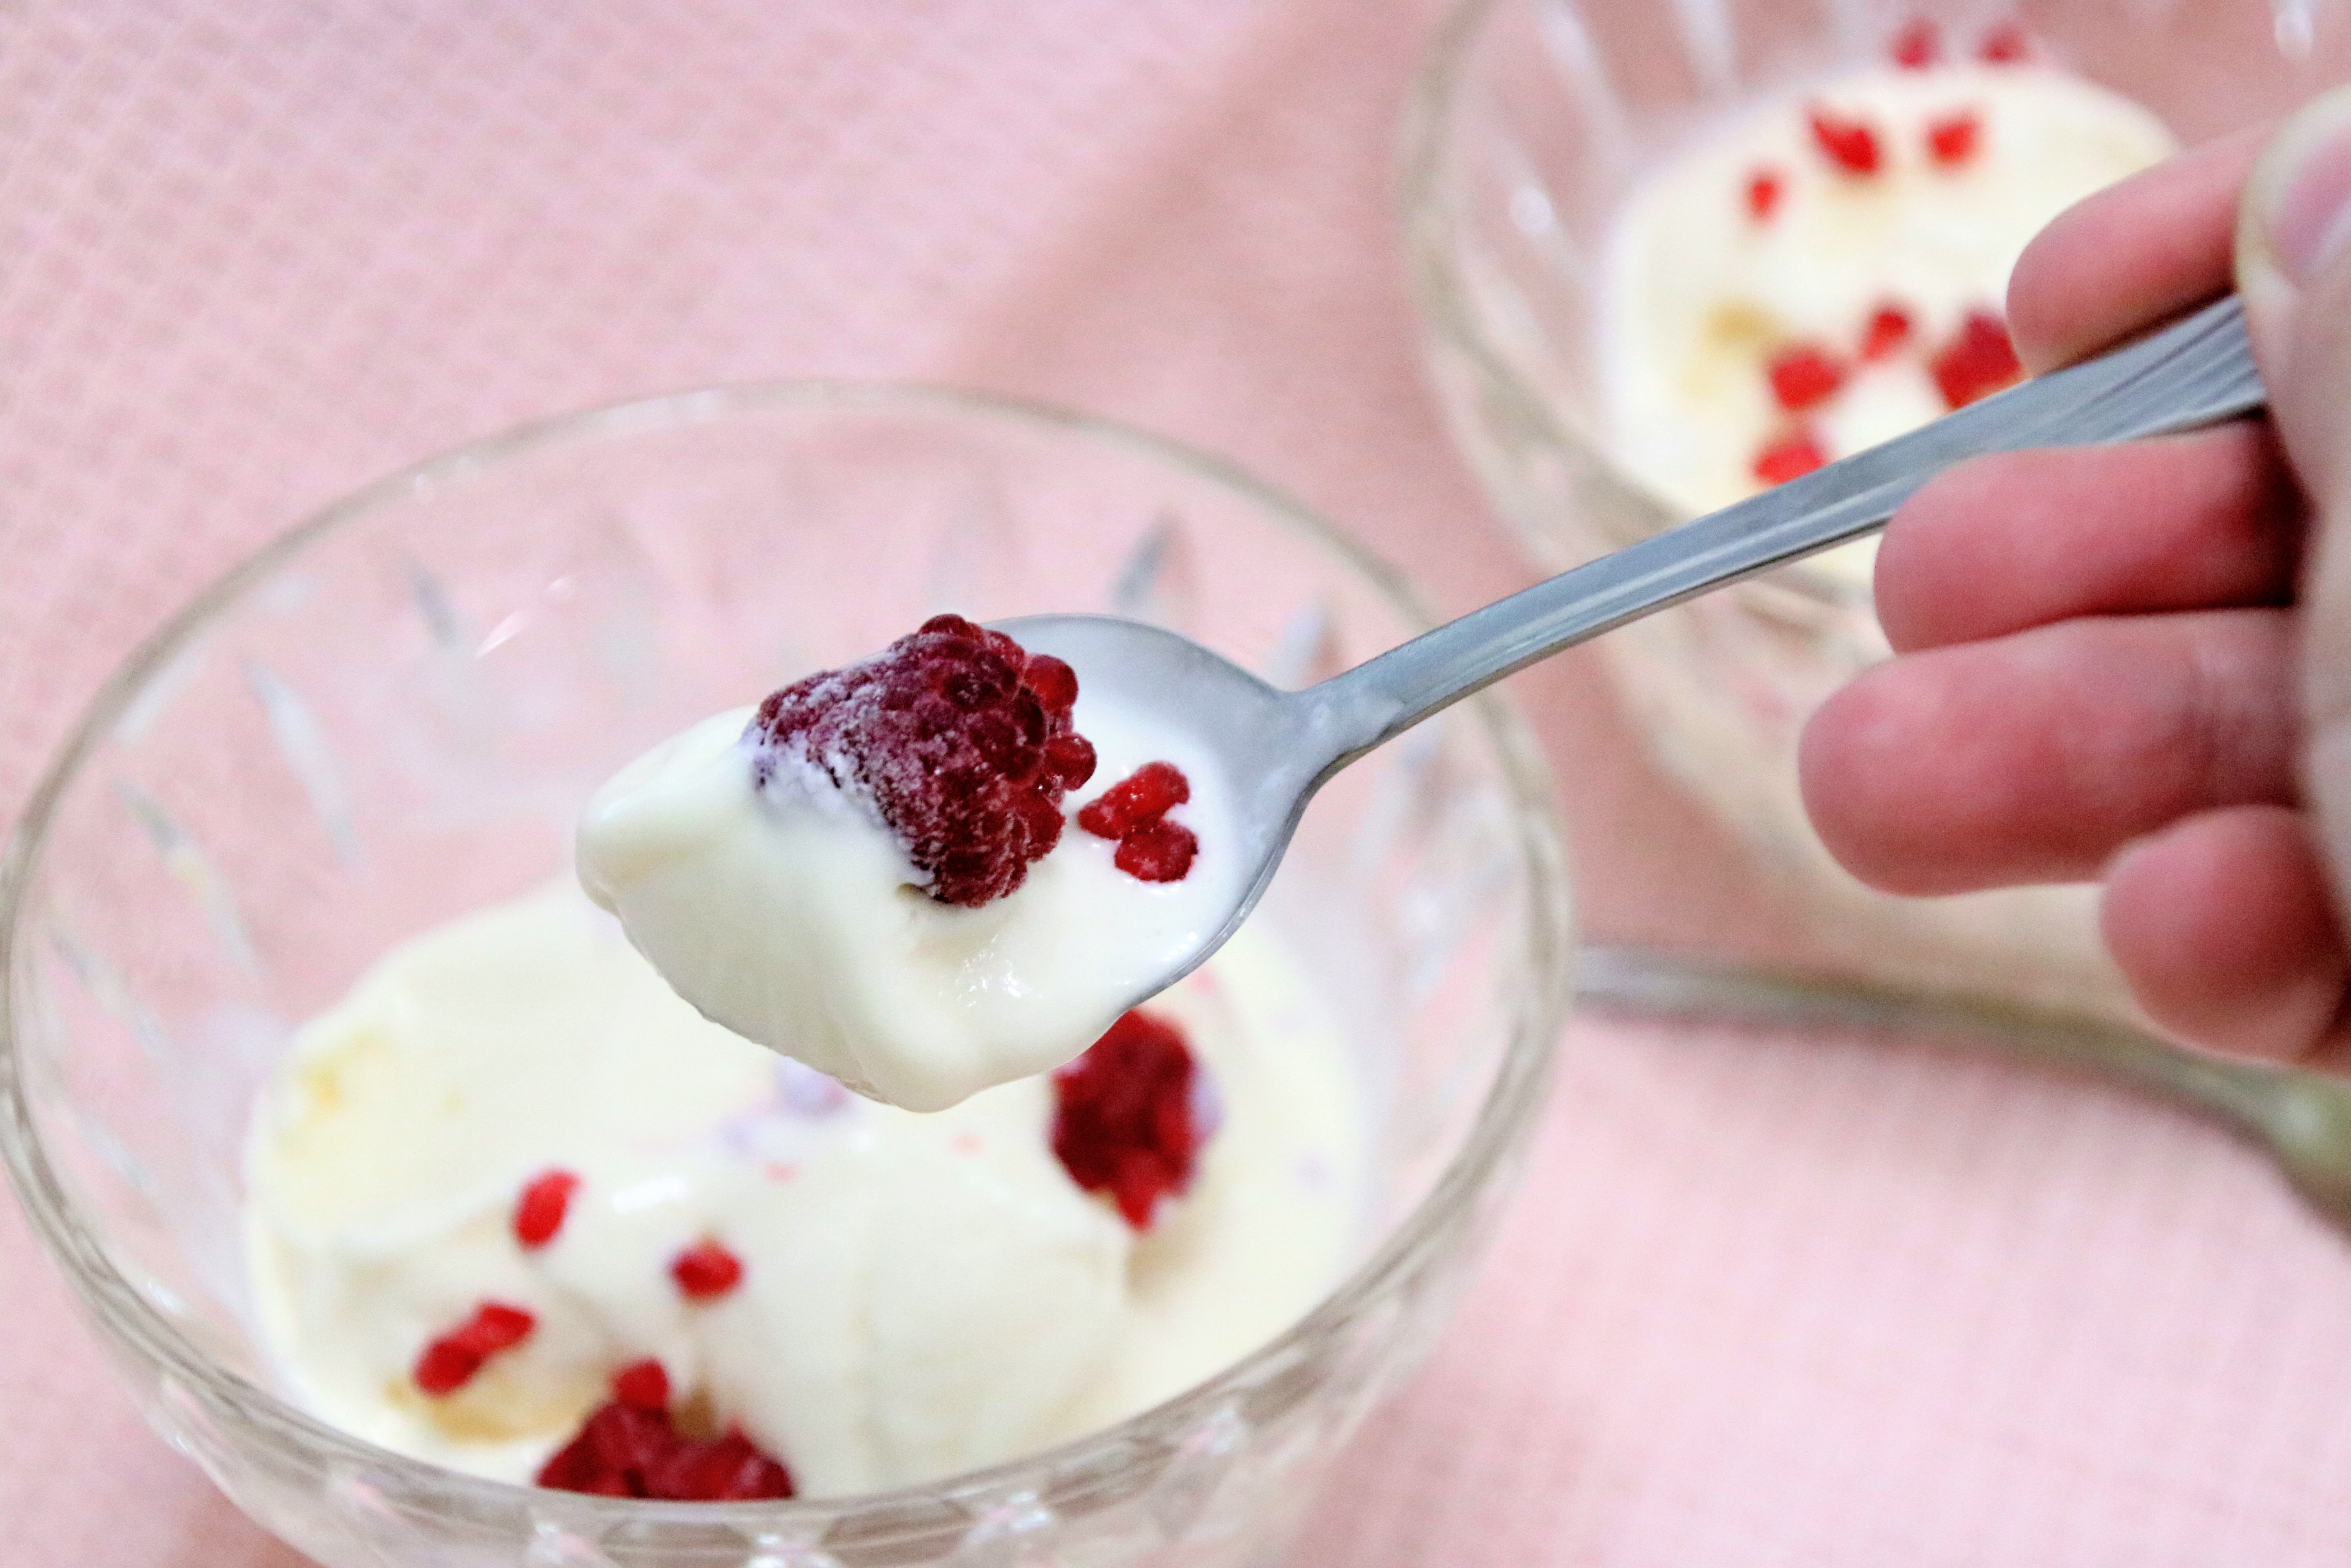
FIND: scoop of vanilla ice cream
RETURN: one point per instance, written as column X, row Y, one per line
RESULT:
column 920, row 1294
column 790, row 915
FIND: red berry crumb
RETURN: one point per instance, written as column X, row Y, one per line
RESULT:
column 1954, row 139
column 1917, row 45
column 539, row 1213
column 962, row 741
column 1134, row 812
column 705, row 1269
column 1888, row 329
column 1158, row 851
column 2004, row 45
column 643, row 1383
column 1850, row 145
column 1122, row 1121
column 628, row 1447
column 1787, row 456
column 449, row 1362
column 1144, row 796
column 1977, row 362
column 1764, row 189
column 1804, row 376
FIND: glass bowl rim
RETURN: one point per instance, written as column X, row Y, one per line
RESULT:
column 1502, row 1118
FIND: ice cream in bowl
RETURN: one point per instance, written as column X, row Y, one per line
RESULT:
column 425, row 1215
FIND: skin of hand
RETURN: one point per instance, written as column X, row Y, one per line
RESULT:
column 2133, row 664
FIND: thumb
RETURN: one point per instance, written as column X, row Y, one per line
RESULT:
column 2293, row 269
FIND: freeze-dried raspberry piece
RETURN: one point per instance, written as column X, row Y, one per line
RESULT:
column 1802, row 376
column 1141, row 797
column 539, row 1213
column 2004, row 45
column 1134, row 812
column 1977, row 361
column 1954, row 139
column 1888, row 329
column 1916, row 45
column 628, row 1447
column 449, row 1362
column 723, row 1470
column 961, row 739
column 1764, row 189
column 1122, row 1120
column 1850, row 145
column 1796, row 453
column 705, row 1271
column 643, row 1383
column 1159, row 850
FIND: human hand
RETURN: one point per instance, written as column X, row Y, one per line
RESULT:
column 2102, row 652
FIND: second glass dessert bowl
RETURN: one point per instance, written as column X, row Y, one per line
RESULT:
column 393, row 717
column 1532, row 122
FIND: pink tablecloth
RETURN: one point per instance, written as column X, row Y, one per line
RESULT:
column 1768, row 1300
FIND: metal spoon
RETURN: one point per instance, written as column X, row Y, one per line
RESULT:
column 1276, row 748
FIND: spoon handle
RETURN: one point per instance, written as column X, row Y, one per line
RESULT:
column 2198, row 371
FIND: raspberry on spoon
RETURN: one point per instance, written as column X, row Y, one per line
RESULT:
column 1134, row 812
column 962, row 741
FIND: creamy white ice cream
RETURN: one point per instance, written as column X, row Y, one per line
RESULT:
column 790, row 915
column 387, row 1155
column 1707, row 277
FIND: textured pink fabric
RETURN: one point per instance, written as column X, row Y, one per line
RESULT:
column 1770, row 1300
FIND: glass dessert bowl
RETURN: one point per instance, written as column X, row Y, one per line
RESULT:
column 1538, row 125
column 393, row 717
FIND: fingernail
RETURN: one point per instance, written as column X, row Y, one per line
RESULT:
column 2300, row 193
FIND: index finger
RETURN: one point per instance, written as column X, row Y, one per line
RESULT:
column 2131, row 254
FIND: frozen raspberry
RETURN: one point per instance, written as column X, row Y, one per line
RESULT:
column 1791, row 454
column 1764, row 189
column 705, row 1271
column 643, row 1383
column 1977, row 362
column 1917, row 45
column 1141, row 797
column 539, row 1213
column 1888, row 329
column 2004, row 45
column 1954, row 139
column 628, row 1447
column 1158, row 851
column 961, row 739
column 449, row 1362
column 1850, row 145
column 1804, row 376
column 1122, row 1121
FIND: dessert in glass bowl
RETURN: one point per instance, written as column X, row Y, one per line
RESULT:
column 1666, row 256
column 301, row 892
